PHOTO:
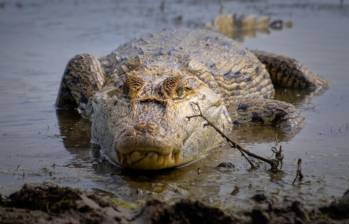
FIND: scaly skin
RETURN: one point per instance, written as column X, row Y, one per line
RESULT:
column 140, row 95
column 289, row 73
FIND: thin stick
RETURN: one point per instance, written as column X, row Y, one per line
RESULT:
column 279, row 156
column 272, row 162
column 299, row 173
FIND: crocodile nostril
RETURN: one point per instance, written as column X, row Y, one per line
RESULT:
column 149, row 127
column 152, row 125
column 140, row 126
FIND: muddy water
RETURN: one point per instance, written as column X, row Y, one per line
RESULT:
column 37, row 144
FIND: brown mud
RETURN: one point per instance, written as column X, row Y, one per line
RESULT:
column 49, row 203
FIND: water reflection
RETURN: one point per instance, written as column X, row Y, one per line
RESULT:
column 246, row 26
column 74, row 130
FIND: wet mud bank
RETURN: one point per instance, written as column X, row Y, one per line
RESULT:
column 50, row 203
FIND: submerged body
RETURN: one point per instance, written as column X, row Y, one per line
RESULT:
column 138, row 97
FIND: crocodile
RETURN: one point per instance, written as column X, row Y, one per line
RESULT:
column 138, row 98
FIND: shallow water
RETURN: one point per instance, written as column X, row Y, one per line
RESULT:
column 38, row 38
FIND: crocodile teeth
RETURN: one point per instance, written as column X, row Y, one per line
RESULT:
column 153, row 156
column 161, row 160
column 148, row 159
column 136, row 156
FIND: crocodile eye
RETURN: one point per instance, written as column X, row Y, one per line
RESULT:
column 186, row 88
column 170, row 86
column 133, row 85
column 176, row 87
column 180, row 92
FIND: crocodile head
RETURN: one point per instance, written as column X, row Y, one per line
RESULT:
column 140, row 119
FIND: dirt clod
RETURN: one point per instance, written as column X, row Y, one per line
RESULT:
column 259, row 217
column 259, row 197
column 50, row 198
column 298, row 209
column 338, row 209
column 49, row 203
column 228, row 165
column 186, row 211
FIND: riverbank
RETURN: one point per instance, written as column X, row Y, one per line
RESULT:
column 50, row 203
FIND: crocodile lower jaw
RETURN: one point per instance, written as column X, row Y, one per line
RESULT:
column 149, row 160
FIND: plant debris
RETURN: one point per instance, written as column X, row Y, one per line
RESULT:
column 274, row 163
column 279, row 156
column 299, row 174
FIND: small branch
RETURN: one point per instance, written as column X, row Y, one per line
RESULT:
column 279, row 156
column 253, row 166
column 274, row 163
column 299, row 174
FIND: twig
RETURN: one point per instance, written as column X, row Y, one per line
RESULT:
column 279, row 156
column 272, row 162
column 299, row 173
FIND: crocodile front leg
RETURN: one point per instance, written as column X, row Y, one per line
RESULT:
column 269, row 112
column 82, row 77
